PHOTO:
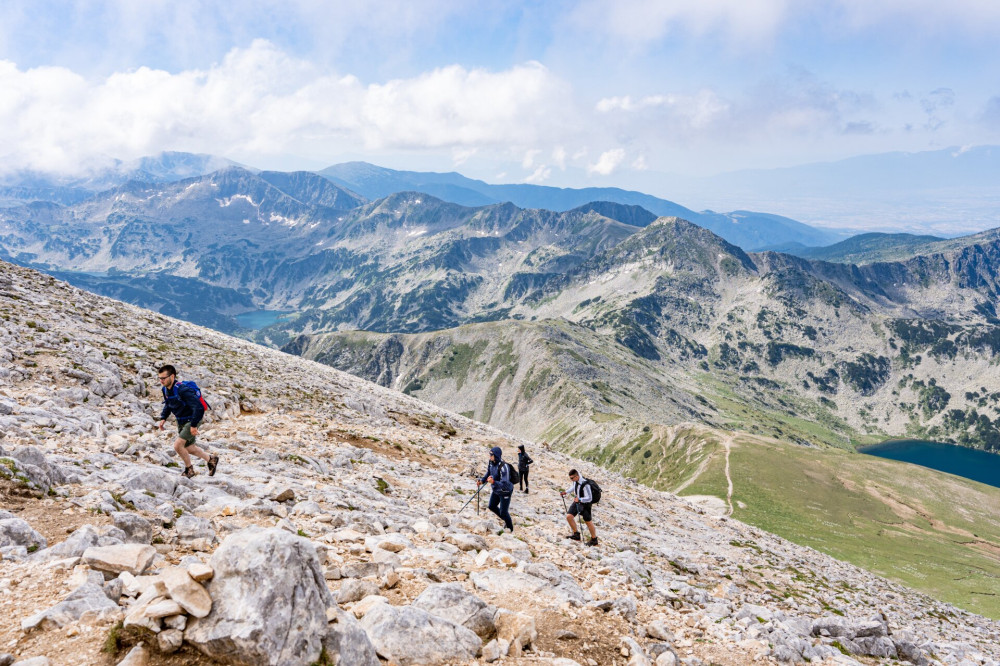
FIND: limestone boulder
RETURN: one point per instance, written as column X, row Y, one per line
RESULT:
column 187, row 592
column 269, row 601
column 452, row 602
column 131, row 557
column 346, row 641
column 17, row 532
column 136, row 528
column 86, row 603
column 513, row 583
column 155, row 481
column 410, row 636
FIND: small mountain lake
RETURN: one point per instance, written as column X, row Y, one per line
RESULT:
column 958, row 460
column 260, row 318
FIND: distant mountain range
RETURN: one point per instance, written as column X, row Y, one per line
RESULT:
column 581, row 326
column 27, row 186
column 748, row 229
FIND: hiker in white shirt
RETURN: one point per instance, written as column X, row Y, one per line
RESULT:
column 582, row 506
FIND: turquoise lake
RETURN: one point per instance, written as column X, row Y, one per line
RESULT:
column 261, row 318
column 958, row 460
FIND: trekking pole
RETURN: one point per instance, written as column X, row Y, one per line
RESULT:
column 474, row 497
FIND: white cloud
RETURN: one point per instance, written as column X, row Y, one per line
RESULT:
column 607, row 162
column 974, row 16
column 559, row 157
column 261, row 101
column 529, row 158
column 541, row 174
column 639, row 22
column 460, row 156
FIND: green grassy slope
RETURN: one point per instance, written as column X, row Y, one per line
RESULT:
column 930, row 531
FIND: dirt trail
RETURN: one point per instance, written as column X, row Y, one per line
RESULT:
column 728, row 442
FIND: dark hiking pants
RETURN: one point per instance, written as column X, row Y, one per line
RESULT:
column 523, row 483
column 500, row 505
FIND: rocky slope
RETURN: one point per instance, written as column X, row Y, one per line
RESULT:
column 354, row 492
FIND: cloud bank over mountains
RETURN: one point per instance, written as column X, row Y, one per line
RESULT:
column 593, row 91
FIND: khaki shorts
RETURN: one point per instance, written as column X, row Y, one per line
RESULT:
column 184, row 432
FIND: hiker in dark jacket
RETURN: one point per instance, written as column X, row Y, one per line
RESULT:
column 523, row 462
column 183, row 402
column 498, row 475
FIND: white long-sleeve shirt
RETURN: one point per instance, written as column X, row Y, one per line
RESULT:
column 581, row 490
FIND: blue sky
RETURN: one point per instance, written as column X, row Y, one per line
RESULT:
column 560, row 93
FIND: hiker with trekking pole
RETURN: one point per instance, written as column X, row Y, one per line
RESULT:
column 185, row 402
column 587, row 493
column 499, row 475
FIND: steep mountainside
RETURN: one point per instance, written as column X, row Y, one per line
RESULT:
column 674, row 323
column 340, row 503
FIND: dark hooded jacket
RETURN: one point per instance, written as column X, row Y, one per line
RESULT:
column 523, row 460
column 498, row 470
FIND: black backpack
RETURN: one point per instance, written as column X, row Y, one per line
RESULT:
column 595, row 491
column 515, row 478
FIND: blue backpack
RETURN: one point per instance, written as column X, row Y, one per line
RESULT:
column 190, row 384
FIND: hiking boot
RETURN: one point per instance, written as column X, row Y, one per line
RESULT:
column 575, row 536
column 525, row 491
column 592, row 542
column 213, row 463
column 188, row 472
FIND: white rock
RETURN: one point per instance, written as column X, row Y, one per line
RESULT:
column 137, row 656
column 200, row 572
column 170, row 640
column 361, row 608
column 131, row 557
column 186, row 591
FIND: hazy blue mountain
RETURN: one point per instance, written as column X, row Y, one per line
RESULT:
column 21, row 194
column 867, row 248
column 312, row 189
column 167, row 167
column 749, row 230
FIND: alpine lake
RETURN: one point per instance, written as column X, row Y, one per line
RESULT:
column 261, row 318
column 974, row 464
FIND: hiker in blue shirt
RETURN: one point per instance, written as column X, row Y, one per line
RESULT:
column 184, row 402
column 498, row 474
